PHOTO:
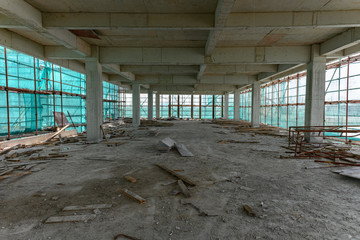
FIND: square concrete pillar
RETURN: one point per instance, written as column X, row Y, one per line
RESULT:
column 94, row 97
column 226, row 106
column 237, row 105
column 136, row 104
column 255, row 105
column 150, row 105
column 315, row 92
column 157, row 102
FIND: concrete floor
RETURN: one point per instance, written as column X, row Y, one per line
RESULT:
column 290, row 202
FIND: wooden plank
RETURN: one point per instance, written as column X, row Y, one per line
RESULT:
column 130, row 179
column 8, row 149
column 72, row 218
column 182, row 149
column 103, row 132
column 132, row 195
column 15, row 175
column 57, row 133
column 184, row 179
column 184, row 189
column 87, row 207
column 249, row 210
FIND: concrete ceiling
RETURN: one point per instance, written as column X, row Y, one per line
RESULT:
column 183, row 45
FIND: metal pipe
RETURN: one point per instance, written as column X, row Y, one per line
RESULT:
column 7, row 94
column 36, row 113
column 213, row 107
column 347, row 98
column 192, row 106
column 200, row 106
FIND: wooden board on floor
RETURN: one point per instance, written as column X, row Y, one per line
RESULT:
column 72, row 218
column 87, row 207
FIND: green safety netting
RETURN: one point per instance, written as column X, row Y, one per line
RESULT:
column 26, row 74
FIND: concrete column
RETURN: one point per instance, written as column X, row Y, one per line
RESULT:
column 150, row 105
column 226, row 106
column 255, row 105
column 236, row 105
column 136, row 104
column 315, row 91
column 157, row 100
column 94, row 95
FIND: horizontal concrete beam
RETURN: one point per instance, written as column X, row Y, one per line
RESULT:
column 19, row 43
column 281, row 69
column 168, row 69
column 265, row 55
column 115, row 69
column 190, row 80
column 30, row 17
column 195, row 56
column 340, row 42
column 151, row 56
column 200, row 88
column 240, row 68
column 348, row 18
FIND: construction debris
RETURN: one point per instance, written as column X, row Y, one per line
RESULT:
column 166, row 145
column 184, row 189
column 234, row 141
column 201, row 212
column 72, row 218
column 130, row 179
column 133, row 196
column 57, row 133
column 182, row 149
column 184, row 179
column 249, row 211
column 87, row 207
column 125, row 236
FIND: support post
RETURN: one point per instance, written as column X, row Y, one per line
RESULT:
column 237, row 105
column 94, row 95
column 136, row 104
column 255, row 105
column 157, row 100
column 150, row 105
column 226, row 107
column 315, row 91
column 192, row 106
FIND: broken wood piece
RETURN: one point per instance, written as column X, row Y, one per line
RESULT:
column 132, row 195
column 169, row 182
column 184, row 179
column 8, row 149
column 87, row 207
column 6, row 171
column 15, row 175
column 130, row 179
column 109, row 144
column 166, row 145
column 182, row 149
column 57, row 133
column 125, row 236
column 184, row 189
column 201, row 212
column 72, row 218
column 249, row 210
column 103, row 132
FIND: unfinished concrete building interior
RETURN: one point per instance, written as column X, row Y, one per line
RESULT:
column 183, row 119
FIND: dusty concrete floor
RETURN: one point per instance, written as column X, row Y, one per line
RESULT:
column 290, row 201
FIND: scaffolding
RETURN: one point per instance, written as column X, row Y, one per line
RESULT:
column 32, row 89
column 283, row 100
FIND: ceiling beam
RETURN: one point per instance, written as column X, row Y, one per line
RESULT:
column 115, row 69
column 195, row 56
column 240, row 68
column 171, row 21
column 30, row 17
column 152, row 56
column 222, row 12
column 340, row 42
column 283, row 70
column 168, row 69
